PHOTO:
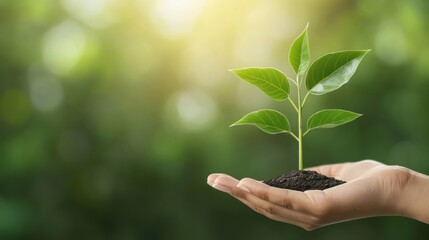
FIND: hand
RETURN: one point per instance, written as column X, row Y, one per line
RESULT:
column 372, row 189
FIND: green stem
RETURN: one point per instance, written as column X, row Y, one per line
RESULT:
column 305, row 98
column 293, row 81
column 294, row 136
column 306, row 132
column 300, row 161
column 293, row 104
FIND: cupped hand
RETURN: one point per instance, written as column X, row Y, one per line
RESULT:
column 372, row 189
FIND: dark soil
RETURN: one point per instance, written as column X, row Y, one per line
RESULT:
column 303, row 180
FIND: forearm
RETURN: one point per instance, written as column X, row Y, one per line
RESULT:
column 415, row 202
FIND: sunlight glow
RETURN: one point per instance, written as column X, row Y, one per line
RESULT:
column 93, row 12
column 63, row 46
column 176, row 17
column 204, row 67
column 193, row 109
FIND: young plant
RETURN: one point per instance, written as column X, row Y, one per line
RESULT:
column 325, row 75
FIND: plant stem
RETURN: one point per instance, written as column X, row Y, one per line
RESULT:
column 300, row 160
column 294, row 136
column 305, row 99
column 293, row 81
column 305, row 133
column 293, row 104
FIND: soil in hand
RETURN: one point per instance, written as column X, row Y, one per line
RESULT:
column 303, row 180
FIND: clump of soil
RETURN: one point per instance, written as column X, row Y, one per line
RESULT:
column 303, row 180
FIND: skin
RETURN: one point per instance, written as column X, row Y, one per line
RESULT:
column 372, row 189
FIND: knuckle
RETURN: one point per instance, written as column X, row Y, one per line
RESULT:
column 271, row 210
column 240, row 194
column 286, row 204
column 263, row 196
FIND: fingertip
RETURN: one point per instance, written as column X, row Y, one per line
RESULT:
column 212, row 178
column 226, row 180
column 225, row 183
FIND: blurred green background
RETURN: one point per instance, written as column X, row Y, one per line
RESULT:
column 113, row 112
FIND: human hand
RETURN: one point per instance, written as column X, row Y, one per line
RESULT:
column 372, row 189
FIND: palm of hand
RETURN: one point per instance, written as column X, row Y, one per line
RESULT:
column 369, row 191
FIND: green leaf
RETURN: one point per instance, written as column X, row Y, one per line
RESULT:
column 330, row 118
column 270, row 80
column 299, row 53
column 269, row 121
column 333, row 70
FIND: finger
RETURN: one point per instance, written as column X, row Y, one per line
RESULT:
column 275, row 211
column 291, row 205
column 289, row 199
column 212, row 177
column 309, row 210
column 277, row 216
column 228, row 184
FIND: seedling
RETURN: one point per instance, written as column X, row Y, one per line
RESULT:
column 326, row 74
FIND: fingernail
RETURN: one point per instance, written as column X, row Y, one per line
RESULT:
column 221, row 188
column 244, row 188
column 210, row 182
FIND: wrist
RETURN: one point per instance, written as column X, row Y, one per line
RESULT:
column 414, row 198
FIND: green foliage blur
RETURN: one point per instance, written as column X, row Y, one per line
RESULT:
column 113, row 112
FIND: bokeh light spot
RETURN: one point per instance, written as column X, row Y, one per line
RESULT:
column 192, row 109
column 204, row 66
column 63, row 47
column 93, row 12
column 175, row 17
column 391, row 44
column 46, row 92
